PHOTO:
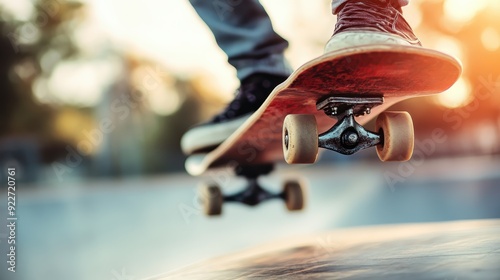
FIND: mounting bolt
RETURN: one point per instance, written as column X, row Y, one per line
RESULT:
column 350, row 139
column 335, row 110
column 287, row 139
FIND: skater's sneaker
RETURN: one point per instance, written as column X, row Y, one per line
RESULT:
column 252, row 93
column 368, row 22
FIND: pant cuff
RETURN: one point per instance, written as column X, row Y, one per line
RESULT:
column 275, row 64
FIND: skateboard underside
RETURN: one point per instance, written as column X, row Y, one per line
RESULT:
column 393, row 73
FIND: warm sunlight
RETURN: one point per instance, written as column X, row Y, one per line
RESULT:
column 70, row 125
column 81, row 83
column 490, row 37
column 457, row 96
column 449, row 45
column 461, row 11
column 159, row 91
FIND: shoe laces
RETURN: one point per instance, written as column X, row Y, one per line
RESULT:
column 244, row 97
column 252, row 92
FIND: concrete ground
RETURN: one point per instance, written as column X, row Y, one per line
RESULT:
column 136, row 228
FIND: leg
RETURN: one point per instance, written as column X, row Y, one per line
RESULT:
column 244, row 32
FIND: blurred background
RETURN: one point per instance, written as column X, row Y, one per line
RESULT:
column 95, row 96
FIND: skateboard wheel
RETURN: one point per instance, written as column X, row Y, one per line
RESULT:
column 294, row 195
column 396, row 129
column 212, row 200
column 300, row 139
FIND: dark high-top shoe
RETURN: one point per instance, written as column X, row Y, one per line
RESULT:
column 252, row 93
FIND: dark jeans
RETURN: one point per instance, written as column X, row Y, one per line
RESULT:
column 243, row 30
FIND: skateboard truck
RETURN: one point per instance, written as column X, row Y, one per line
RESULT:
column 393, row 137
column 347, row 136
column 254, row 193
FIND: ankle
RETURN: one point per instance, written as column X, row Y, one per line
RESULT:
column 396, row 4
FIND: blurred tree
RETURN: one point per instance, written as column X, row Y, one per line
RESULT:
column 23, row 43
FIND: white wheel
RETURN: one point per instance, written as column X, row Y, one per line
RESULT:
column 212, row 200
column 398, row 136
column 294, row 195
column 300, row 139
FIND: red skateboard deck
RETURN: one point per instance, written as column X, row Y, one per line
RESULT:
column 393, row 72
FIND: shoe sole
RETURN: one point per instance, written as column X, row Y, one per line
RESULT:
column 207, row 137
column 350, row 39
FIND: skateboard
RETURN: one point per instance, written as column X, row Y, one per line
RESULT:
column 324, row 104
column 447, row 250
